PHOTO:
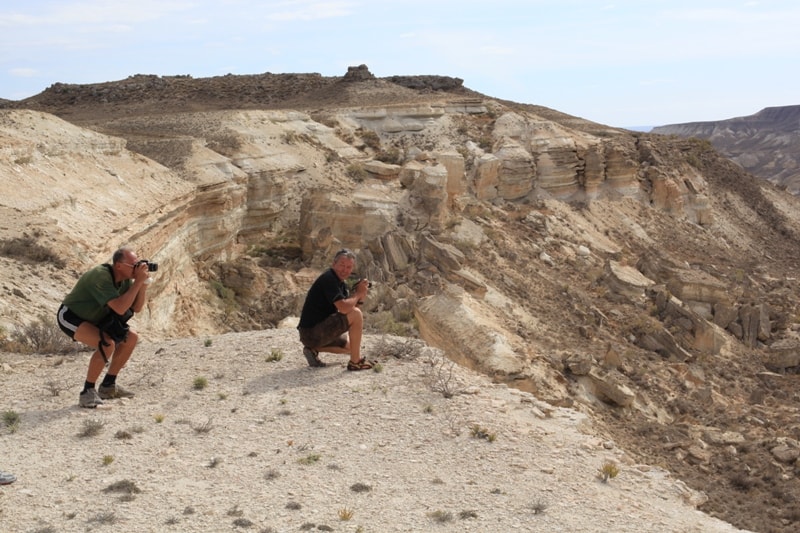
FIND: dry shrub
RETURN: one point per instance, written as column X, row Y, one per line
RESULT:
column 28, row 250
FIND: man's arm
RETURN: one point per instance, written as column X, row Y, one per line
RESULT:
column 135, row 297
column 345, row 305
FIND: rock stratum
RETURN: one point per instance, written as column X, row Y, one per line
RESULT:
column 644, row 280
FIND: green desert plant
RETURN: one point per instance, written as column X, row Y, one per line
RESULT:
column 274, row 355
column 309, row 459
column 199, row 383
column 608, row 470
column 11, row 418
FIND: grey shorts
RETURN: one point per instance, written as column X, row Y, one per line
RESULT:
column 329, row 332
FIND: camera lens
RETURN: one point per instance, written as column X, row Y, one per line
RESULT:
column 152, row 267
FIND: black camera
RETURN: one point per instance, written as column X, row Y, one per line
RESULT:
column 151, row 267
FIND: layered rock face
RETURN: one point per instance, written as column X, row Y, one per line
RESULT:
column 642, row 277
column 229, row 182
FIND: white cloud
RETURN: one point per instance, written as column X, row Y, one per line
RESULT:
column 23, row 72
column 313, row 11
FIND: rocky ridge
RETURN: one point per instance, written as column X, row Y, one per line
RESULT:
column 645, row 281
column 766, row 143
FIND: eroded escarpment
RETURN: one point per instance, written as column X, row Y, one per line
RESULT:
column 610, row 271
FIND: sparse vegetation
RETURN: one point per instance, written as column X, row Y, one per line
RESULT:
column 274, row 355
column 199, row 383
column 124, row 486
column 608, row 470
column 479, row 432
column 360, row 487
column 54, row 388
column 105, row 518
column 440, row 378
column 309, row 459
column 441, row 517
column 357, row 172
column 91, row 428
column 11, row 419
column 108, row 459
column 538, row 507
column 370, row 138
column 28, row 249
column 41, row 336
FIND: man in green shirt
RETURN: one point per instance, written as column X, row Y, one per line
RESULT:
column 121, row 288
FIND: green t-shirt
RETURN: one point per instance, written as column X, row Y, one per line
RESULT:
column 93, row 291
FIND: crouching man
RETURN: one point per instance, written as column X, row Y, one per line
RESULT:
column 95, row 313
column 331, row 320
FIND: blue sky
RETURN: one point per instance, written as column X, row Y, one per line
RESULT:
column 622, row 63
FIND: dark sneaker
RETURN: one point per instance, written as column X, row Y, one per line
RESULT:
column 312, row 356
column 7, row 479
column 361, row 365
column 112, row 392
column 89, row 399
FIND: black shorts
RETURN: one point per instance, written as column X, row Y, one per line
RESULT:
column 68, row 321
column 329, row 332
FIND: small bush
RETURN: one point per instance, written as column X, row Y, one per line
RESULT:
column 370, row 138
column 538, row 507
column 108, row 459
column 106, row 518
column 441, row 517
column 124, row 486
column 274, row 355
column 199, row 383
column 345, row 513
column 91, row 428
column 27, row 249
column 608, row 470
column 309, row 459
column 392, row 156
column 42, row 336
column 357, row 172
column 11, row 419
column 360, row 487
column 482, row 433
column 440, row 378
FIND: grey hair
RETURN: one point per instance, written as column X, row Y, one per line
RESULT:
column 119, row 255
column 344, row 252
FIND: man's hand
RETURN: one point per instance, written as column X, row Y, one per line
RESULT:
column 361, row 288
column 141, row 272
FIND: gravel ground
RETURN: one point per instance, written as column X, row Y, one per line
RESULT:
column 275, row 446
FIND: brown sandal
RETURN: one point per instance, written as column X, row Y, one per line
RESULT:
column 363, row 364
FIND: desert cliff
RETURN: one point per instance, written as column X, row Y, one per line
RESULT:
column 646, row 281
